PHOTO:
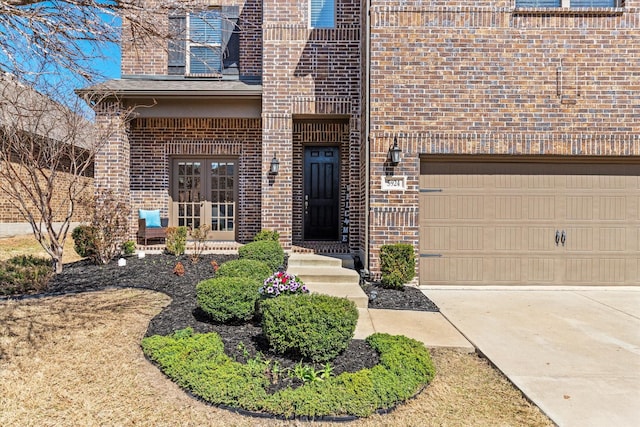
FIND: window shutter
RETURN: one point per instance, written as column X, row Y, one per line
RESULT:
column 322, row 13
column 538, row 3
column 230, row 39
column 177, row 44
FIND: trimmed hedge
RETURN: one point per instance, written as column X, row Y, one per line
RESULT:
column 228, row 299
column 267, row 235
column 250, row 268
column 316, row 327
column 197, row 362
column 267, row 251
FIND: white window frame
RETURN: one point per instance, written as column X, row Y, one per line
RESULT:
column 190, row 44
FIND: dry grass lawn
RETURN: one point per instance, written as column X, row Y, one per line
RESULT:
column 27, row 245
column 76, row 360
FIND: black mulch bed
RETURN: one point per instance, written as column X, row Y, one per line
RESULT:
column 155, row 272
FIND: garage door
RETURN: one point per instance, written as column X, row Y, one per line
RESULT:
column 501, row 223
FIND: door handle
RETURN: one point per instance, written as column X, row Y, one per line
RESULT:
column 563, row 237
column 557, row 237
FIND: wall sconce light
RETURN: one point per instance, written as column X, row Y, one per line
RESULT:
column 275, row 165
column 394, row 152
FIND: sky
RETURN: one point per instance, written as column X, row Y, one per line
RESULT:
column 110, row 65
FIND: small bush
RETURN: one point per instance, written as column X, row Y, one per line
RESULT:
column 266, row 251
column 250, row 268
column 199, row 236
column 317, row 327
column 110, row 221
column 25, row 274
column 228, row 299
column 178, row 270
column 129, row 247
column 84, row 240
column 398, row 265
column 269, row 235
column 176, row 240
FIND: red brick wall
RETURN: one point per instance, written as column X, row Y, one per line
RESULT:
column 154, row 141
column 479, row 78
column 310, row 74
column 149, row 56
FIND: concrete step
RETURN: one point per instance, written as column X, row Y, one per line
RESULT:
column 311, row 260
column 325, row 275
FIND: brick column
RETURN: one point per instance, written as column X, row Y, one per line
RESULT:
column 111, row 165
column 277, row 206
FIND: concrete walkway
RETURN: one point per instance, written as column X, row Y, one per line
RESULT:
column 327, row 275
column 430, row 328
column 574, row 352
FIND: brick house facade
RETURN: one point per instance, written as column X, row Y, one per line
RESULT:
column 540, row 97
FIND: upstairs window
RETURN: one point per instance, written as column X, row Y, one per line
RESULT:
column 205, row 43
column 322, row 13
column 570, row 3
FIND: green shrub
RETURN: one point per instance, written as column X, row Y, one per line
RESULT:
column 228, row 299
column 176, row 240
column 25, row 274
column 317, row 327
column 129, row 247
column 244, row 268
column 269, row 235
column 266, row 251
column 398, row 265
column 84, row 240
column 197, row 362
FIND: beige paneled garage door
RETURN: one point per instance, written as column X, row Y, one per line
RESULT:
column 501, row 223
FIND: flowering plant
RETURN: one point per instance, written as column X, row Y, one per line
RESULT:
column 282, row 283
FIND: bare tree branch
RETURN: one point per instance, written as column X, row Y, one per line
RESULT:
column 46, row 160
column 50, row 37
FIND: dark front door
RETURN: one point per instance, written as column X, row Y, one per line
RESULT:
column 321, row 193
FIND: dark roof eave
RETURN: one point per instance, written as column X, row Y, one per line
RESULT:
column 125, row 94
column 172, row 88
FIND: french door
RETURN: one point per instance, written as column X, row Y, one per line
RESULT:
column 204, row 191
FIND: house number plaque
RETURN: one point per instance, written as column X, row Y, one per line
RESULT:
column 390, row 183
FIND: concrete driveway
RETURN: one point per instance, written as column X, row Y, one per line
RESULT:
column 575, row 352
